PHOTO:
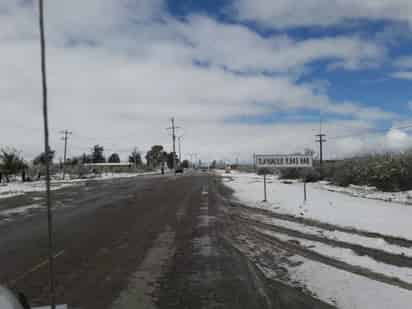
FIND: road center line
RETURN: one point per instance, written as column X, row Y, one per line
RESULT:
column 35, row 268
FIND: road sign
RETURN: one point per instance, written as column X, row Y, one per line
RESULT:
column 273, row 160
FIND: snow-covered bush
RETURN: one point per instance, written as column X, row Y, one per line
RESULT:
column 306, row 174
column 387, row 172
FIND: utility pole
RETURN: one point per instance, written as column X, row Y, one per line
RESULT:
column 320, row 140
column 173, row 128
column 192, row 155
column 135, row 156
column 47, row 152
column 180, row 147
column 65, row 137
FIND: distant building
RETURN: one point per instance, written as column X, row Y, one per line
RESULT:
column 110, row 167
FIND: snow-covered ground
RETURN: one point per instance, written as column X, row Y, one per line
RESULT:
column 368, row 242
column 347, row 290
column 385, row 281
column 404, row 197
column 19, row 188
column 327, row 206
column 348, row 256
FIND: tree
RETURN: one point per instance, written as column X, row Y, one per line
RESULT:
column 86, row 158
column 309, row 152
column 41, row 158
column 154, row 156
column 114, row 158
column 135, row 158
column 97, row 154
column 169, row 159
column 73, row 161
column 11, row 163
column 185, row 164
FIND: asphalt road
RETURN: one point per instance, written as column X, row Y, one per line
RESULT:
column 145, row 242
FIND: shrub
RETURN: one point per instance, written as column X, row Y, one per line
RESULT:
column 387, row 172
column 290, row 173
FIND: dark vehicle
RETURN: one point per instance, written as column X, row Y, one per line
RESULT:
column 179, row 170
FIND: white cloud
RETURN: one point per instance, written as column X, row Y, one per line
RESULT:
column 241, row 49
column 365, row 143
column 402, row 75
column 117, row 74
column 398, row 139
column 404, row 62
column 292, row 13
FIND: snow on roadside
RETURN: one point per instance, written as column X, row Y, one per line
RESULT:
column 332, row 207
column 365, row 241
column 346, row 290
column 349, row 257
column 19, row 188
column 19, row 210
column 340, row 288
column 404, row 197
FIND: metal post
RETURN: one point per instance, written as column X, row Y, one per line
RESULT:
column 264, row 187
column 304, row 192
column 47, row 152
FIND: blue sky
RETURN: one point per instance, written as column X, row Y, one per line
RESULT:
column 240, row 76
column 370, row 86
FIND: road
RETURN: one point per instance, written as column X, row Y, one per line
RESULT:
column 144, row 242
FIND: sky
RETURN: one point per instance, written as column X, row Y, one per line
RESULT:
column 239, row 76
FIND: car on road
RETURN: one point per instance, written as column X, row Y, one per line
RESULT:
column 179, row 170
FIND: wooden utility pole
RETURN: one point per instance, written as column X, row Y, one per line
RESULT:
column 321, row 140
column 174, row 128
column 180, row 147
column 47, row 152
column 65, row 137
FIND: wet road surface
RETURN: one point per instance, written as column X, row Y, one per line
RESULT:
column 145, row 242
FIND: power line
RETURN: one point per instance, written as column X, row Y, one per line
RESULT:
column 47, row 152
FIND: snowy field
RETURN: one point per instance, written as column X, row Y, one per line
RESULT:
column 404, row 197
column 337, row 208
column 344, row 267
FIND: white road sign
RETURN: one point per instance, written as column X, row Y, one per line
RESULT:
column 272, row 160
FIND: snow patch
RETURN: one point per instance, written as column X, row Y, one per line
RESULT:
column 326, row 206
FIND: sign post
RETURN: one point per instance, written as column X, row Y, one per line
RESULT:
column 282, row 161
column 304, row 192
column 264, row 187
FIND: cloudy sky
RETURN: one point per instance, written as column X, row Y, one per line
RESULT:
column 239, row 76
